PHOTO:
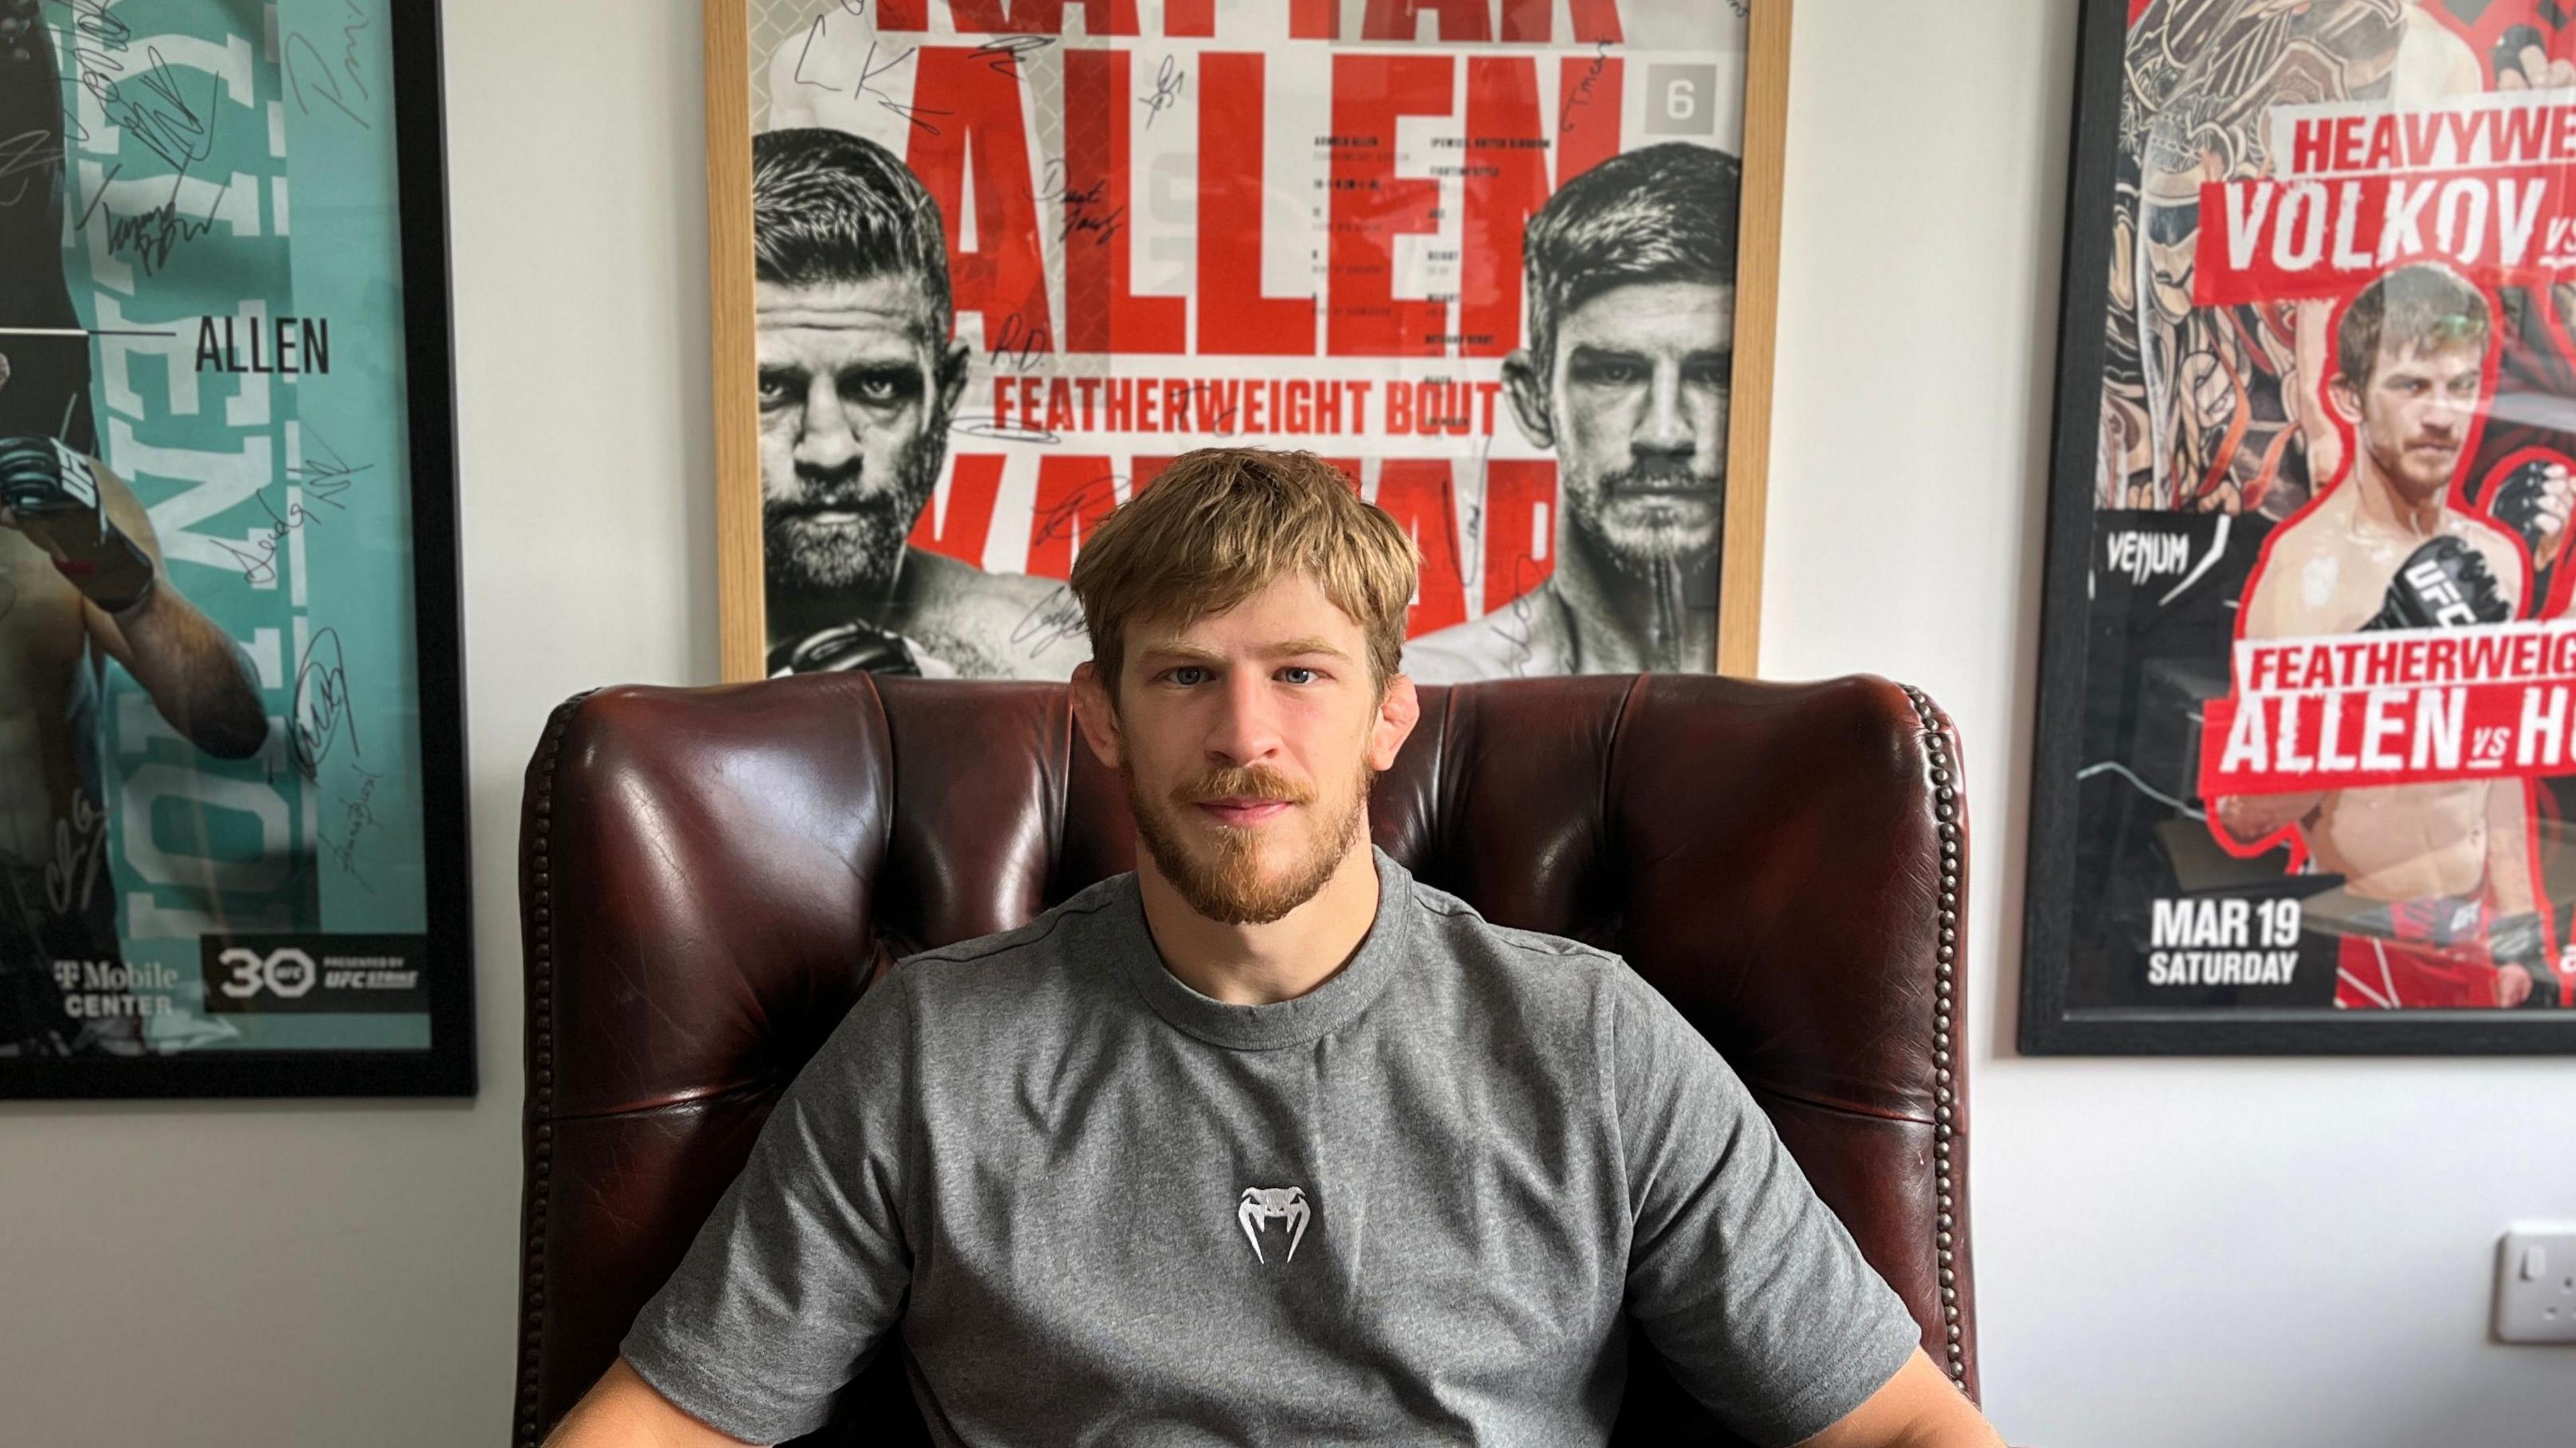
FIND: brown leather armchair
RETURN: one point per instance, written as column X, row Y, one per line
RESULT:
column 710, row 877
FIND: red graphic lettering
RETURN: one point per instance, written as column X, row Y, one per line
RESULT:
column 1100, row 314
column 1371, row 206
column 1235, row 318
column 1520, row 528
column 1417, row 494
column 1004, row 274
column 1402, row 19
column 973, row 483
column 1074, row 494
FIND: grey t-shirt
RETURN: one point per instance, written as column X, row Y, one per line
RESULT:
column 1417, row 1203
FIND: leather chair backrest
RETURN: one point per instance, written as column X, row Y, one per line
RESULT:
column 709, row 878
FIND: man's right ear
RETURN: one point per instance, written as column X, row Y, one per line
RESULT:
column 2345, row 398
column 1528, row 393
column 1096, row 714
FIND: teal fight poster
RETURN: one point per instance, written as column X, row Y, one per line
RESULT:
column 215, row 813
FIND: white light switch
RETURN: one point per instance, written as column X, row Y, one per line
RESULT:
column 2535, row 1298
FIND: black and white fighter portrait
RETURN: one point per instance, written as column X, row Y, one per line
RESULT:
column 1631, row 282
column 859, row 381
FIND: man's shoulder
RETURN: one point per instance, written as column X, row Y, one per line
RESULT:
column 1463, row 921
column 939, row 579
column 1016, row 964
column 1552, row 985
column 2501, row 549
column 2283, row 574
column 1517, row 640
column 2309, row 530
column 991, row 625
column 1529, row 965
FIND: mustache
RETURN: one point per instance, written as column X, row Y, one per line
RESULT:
column 842, row 490
column 1249, row 781
column 1657, row 476
column 903, row 482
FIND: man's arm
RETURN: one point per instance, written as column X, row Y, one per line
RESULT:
column 195, row 673
column 2250, row 818
column 624, row 1411
column 2515, row 939
column 2508, row 849
column 801, row 1271
column 90, row 523
column 1739, row 1275
column 1919, row 1408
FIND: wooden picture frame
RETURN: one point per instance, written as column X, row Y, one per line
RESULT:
column 744, row 644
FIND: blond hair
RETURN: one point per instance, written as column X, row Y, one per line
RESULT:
column 1219, row 525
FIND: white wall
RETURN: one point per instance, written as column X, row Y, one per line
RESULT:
column 275, row 1276
column 2268, row 1254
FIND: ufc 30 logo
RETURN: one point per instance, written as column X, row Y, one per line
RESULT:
column 287, row 974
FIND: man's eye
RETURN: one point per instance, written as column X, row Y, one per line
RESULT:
column 1303, row 674
column 1610, row 374
column 777, row 389
column 875, row 388
column 1187, row 674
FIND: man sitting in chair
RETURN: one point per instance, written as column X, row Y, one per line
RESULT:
column 1266, row 1142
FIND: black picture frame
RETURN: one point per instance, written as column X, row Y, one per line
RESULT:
column 448, row 1066
column 2049, row 1023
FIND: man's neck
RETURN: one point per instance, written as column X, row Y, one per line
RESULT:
column 1621, row 623
column 2381, row 505
column 1252, row 965
column 793, row 613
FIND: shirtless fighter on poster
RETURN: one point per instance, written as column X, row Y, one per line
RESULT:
column 81, row 579
column 2439, row 876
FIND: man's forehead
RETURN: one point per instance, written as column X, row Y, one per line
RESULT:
column 1292, row 614
column 2443, row 357
column 878, row 304
column 1686, row 315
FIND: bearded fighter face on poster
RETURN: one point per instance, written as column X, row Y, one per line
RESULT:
column 2326, row 755
column 1010, row 259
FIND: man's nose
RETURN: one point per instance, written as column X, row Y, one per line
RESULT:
column 825, row 442
column 1667, row 429
column 1246, row 726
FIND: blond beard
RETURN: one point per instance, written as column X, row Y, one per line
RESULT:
column 1230, row 888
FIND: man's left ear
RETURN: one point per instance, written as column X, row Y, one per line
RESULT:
column 1397, row 713
column 1095, row 714
column 953, row 367
column 1527, row 392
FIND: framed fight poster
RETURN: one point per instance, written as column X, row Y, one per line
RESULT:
column 982, row 267
column 2306, row 772
column 232, row 810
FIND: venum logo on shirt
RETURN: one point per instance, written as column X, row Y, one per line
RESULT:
column 1260, row 1206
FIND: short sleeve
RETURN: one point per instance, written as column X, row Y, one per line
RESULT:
column 1739, row 1275
column 801, row 1270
